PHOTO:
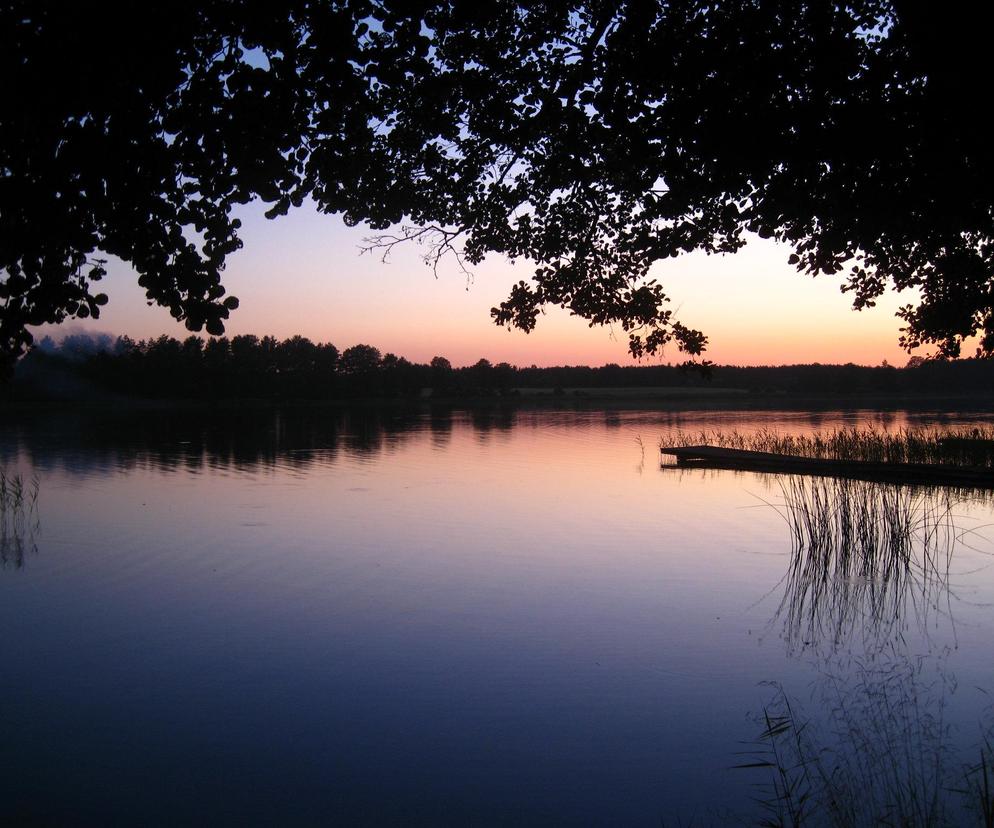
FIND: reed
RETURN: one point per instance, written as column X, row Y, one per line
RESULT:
column 19, row 517
column 979, row 788
column 867, row 559
column 964, row 447
column 876, row 749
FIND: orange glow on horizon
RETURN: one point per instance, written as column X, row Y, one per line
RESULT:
column 303, row 274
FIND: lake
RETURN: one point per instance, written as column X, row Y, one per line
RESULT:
column 436, row 616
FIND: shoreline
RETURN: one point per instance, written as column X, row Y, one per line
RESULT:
column 663, row 398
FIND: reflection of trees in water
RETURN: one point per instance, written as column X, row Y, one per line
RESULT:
column 486, row 421
column 867, row 560
column 612, row 420
column 199, row 438
column 196, row 439
column 440, row 423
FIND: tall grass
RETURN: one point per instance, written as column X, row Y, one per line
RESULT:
column 964, row 446
column 866, row 559
column 979, row 788
column 19, row 517
column 877, row 750
column 875, row 747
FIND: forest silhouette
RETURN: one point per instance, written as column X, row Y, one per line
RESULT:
column 82, row 366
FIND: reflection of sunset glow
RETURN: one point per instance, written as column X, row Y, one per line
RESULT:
column 304, row 274
column 482, row 598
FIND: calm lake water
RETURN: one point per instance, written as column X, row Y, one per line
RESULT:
column 444, row 617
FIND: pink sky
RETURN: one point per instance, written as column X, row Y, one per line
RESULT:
column 304, row 274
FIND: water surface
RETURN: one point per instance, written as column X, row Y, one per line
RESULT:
column 415, row 616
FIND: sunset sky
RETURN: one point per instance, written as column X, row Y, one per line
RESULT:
column 304, row 273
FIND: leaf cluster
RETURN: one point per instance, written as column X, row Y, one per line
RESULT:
column 590, row 139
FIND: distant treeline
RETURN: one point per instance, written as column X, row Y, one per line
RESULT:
column 250, row 367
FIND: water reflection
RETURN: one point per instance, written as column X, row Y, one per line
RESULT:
column 476, row 617
column 198, row 439
column 867, row 561
column 877, row 741
column 874, row 744
column 195, row 439
column 19, row 518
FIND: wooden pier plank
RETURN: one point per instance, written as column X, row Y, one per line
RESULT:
column 744, row 460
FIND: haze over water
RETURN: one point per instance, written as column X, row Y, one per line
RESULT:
column 414, row 615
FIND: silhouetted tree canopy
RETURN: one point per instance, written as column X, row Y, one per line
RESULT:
column 361, row 359
column 96, row 367
column 591, row 139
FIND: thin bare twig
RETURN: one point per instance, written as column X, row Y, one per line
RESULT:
column 438, row 241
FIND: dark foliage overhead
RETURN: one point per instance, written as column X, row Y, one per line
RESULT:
column 591, row 139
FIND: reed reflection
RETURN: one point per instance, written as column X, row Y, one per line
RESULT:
column 876, row 744
column 868, row 561
column 19, row 519
column 882, row 738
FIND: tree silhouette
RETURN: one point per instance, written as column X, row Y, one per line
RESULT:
column 360, row 359
column 252, row 368
column 592, row 139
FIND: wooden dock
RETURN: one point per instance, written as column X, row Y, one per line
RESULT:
column 925, row 474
